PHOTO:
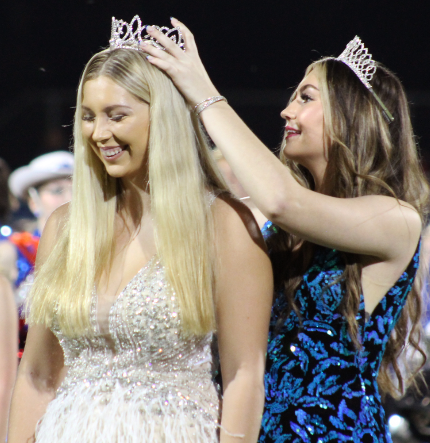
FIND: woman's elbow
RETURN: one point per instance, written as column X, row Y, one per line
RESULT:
column 278, row 207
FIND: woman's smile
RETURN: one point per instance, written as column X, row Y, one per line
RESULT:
column 304, row 125
column 291, row 132
column 112, row 153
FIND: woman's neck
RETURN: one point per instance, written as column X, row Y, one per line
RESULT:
column 135, row 200
column 317, row 171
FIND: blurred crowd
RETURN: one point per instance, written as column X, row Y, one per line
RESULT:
column 31, row 193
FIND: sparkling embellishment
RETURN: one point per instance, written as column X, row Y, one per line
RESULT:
column 359, row 60
column 129, row 35
column 325, row 390
column 134, row 370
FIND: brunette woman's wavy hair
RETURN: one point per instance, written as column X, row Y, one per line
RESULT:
column 366, row 156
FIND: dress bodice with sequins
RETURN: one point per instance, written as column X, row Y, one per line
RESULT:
column 319, row 387
column 143, row 381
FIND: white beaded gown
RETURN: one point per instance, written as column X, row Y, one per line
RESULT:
column 138, row 379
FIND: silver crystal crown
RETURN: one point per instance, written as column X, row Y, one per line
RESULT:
column 131, row 35
column 359, row 60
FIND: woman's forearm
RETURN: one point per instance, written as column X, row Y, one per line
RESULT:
column 29, row 403
column 267, row 181
column 242, row 408
column 40, row 374
column 6, row 383
column 263, row 176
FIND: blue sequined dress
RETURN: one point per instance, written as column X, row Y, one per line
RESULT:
column 319, row 387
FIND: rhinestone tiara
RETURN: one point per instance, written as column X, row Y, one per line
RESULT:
column 357, row 58
column 129, row 35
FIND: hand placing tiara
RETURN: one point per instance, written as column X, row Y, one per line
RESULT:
column 184, row 68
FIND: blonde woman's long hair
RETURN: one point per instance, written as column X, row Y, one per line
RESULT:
column 366, row 156
column 181, row 172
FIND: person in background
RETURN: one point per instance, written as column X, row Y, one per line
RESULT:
column 8, row 312
column 4, row 196
column 44, row 184
column 8, row 253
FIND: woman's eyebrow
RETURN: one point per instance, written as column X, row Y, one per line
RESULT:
column 308, row 85
column 107, row 109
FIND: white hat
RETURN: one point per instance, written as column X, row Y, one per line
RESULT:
column 58, row 164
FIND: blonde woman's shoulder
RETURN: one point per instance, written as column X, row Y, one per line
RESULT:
column 58, row 217
column 52, row 231
column 235, row 223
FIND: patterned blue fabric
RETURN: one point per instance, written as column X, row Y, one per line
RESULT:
column 268, row 229
column 319, row 387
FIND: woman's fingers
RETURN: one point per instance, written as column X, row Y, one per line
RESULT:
column 184, row 68
column 169, row 44
column 190, row 43
column 161, row 64
column 150, row 49
column 158, row 57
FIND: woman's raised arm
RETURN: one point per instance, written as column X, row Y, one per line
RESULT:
column 364, row 225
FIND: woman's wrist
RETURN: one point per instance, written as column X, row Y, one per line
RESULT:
column 214, row 108
column 204, row 104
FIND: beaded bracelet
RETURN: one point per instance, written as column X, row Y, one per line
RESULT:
column 209, row 101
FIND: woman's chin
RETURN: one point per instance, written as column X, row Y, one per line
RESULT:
column 116, row 171
column 293, row 154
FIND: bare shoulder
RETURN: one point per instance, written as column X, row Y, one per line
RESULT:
column 57, row 220
column 389, row 203
column 59, row 217
column 397, row 210
column 51, row 231
column 411, row 216
column 234, row 222
column 398, row 222
column 243, row 264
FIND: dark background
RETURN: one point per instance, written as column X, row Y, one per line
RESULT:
column 255, row 52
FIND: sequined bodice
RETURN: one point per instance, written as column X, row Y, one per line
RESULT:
column 319, row 386
column 145, row 355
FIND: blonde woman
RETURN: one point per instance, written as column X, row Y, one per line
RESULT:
column 348, row 201
column 137, row 273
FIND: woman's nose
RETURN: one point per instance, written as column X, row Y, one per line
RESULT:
column 289, row 112
column 101, row 130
